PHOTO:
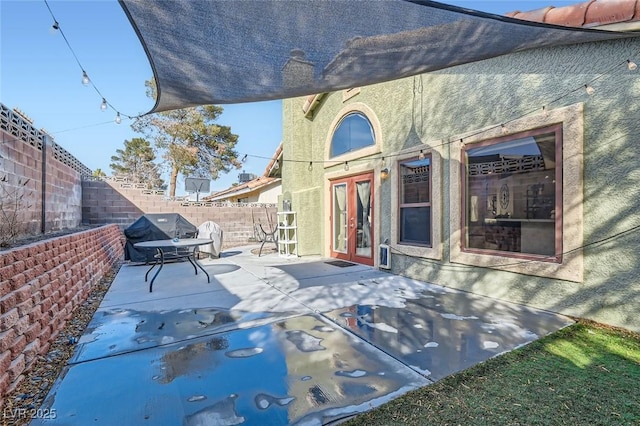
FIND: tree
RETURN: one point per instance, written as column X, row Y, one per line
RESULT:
column 99, row 173
column 193, row 144
column 136, row 162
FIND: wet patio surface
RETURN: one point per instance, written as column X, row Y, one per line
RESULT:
column 275, row 341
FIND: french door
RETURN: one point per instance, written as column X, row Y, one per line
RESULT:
column 352, row 218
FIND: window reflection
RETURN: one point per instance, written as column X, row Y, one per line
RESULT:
column 354, row 132
column 415, row 201
column 511, row 193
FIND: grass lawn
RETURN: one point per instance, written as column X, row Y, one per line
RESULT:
column 585, row 374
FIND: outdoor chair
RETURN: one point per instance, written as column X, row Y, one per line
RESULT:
column 268, row 237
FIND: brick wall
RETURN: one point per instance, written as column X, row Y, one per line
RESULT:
column 40, row 285
column 21, row 158
column 107, row 202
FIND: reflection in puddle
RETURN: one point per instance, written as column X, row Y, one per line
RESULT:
column 264, row 401
column 358, row 389
column 490, row 345
column 221, row 413
column 244, row 353
column 191, row 358
column 438, row 334
column 318, row 396
column 151, row 328
column 354, row 373
column 457, row 317
column 196, row 398
column 305, row 341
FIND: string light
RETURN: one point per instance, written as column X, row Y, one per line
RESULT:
column 632, row 66
column 86, row 81
column 544, row 111
column 346, row 165
column 276, row 165
column 421, row 155
column 85, row 78
column 310, row 166
column 244, row 158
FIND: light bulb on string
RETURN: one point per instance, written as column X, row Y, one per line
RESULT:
column 244, row 158
column 118, row 118
column 504, row 129
column 54, row 28
column 276, row 165
column 421, row 155
column 632, row 66
column 85, row 78
column 310, row 166
column 103, row 105
column 544, row 111
column 346, row 165
column 590, row 90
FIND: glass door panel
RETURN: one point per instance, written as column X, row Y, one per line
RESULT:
column 352, row 219
column 339, row 226
column 363, row 219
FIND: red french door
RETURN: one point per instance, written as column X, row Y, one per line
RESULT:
column 352, row 218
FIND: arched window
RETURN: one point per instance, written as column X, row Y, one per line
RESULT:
column 352, row 133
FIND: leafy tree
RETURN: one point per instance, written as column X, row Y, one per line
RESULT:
column 99, row 173
column 193, row 144
column 136, row 162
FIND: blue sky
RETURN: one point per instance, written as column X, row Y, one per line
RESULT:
column 40, row 75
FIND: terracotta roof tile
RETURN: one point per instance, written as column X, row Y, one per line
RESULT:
column 537, row 15
column 604, row 12
column 591, row 13
column 569, row 16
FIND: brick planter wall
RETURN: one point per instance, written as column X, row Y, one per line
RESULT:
column 40, row 285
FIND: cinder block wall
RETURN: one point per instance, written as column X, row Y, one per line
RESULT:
column 109, row 202
column 21, row 178
column 41, row 284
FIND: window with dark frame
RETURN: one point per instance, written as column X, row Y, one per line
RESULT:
column 415, row 201
column 513, row 195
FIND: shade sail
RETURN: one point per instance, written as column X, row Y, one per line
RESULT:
column 216, row 52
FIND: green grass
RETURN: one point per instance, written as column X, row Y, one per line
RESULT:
column 586, row 374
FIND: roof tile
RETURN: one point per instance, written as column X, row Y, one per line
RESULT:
column 604, row 12
column 569, row 16
column 537, row 15
column 591, row 13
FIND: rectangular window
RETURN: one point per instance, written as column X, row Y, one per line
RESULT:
column 415, row 201
column 512, row 199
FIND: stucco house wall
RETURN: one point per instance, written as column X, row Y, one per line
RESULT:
column 600, row 274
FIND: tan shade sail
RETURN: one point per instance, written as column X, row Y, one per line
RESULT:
column 216, row 52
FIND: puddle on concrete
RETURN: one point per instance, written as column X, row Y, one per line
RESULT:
column 301, row 370
column 118, row 331
column 440, row 333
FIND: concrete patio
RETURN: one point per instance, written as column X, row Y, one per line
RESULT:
column 274, row 341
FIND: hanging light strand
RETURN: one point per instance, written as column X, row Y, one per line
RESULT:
column 86, row 80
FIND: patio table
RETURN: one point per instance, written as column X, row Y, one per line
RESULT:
column 171, row 250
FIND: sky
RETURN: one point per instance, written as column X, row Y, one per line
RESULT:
column 41, row 75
